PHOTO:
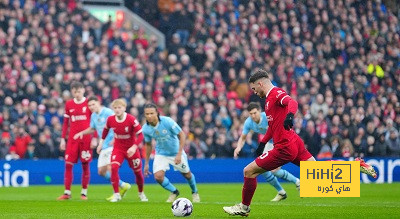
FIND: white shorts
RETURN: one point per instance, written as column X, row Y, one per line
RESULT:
column 162, row 162
column 104, row 157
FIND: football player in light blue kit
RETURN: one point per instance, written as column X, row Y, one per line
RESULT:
column 258, row 123
column 170, row 140
column 98, row 120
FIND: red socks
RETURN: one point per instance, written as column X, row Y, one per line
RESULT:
column 139, row 180
column 68, row 176
column 85, row 175
column 249, row 187
column 115, row 177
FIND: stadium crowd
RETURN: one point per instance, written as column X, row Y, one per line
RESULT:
column 339, row 59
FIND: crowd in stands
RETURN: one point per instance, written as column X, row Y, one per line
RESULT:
column 340, row 59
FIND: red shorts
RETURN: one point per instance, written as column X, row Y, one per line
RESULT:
column 119, row 154
column 79, row 148
column 294, row 152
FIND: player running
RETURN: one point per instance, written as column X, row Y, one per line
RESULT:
column 257, row 122
column 77, row 117
column 98, row 120
column 169, row 150
column 127, row 135
column 288, row 146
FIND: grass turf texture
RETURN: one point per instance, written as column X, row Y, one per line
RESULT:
column 376, row 201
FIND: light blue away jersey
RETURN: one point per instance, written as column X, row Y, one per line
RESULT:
column 260, row 128
column 166, row 135
column 98, row 121
column 250, row 125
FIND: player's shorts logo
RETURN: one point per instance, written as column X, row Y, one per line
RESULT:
column 86, row 155
column 264, row 155
column 136, row 163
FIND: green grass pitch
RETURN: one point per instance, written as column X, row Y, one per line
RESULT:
column 376, row 201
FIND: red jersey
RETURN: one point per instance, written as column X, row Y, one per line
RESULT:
column 77, row 114
column 125, row 131
column 276, row 109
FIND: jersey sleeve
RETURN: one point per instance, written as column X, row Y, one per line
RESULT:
column 173, row 126
column 283, row 99
column 66, row 121
column 137, row 128
column 147, row 136
column 92, row 123
column 246, row 126
column 106, row 129
column 280, row 96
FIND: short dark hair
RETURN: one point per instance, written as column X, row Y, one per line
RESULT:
column 95, row 98
column 76, row 85
column 260, row 73
column 150, row 105
column 253, row 105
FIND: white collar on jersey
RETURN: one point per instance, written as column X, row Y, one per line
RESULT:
column 79, row 102
column 269, row 91
column 122, row 120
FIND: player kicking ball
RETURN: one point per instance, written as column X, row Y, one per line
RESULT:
column 288, row 146
column 257, row 123
column 169, row 151
column 77, row 117
column 127, row 137
column 98, row 120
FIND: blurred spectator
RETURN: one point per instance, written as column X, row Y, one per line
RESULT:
column 393, row 142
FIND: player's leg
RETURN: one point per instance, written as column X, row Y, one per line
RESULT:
column 71, row 157
column 160, row 166
column 135, row 162
column 265, row 162
column 184, row 169
column 271, row 179
column 104, row 169
column 85, row 153
column 284, row 174
column 366, row 168
column 117, row 157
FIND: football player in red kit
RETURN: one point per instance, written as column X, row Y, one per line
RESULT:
column 288, row 146
column 127, row 135
column 77, row 118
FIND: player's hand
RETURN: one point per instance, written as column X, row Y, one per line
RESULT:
column 288, row 123
column 260, row 148
column 94, row 143
column 178, row 158
column 236, row 152
column 132, row 150
column 78, row 135
column 62, row 144
column 98, row 149
column 146, row 170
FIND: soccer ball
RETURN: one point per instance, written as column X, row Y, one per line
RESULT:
column 182, row 207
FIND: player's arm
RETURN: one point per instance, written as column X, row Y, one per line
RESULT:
column 87, row 131
column 242, row 138
column 149, row 149
column 106, row 129
column 263, row 142
column 240, row 144
column 64, row 128
column 137, row 130
column 292, row 106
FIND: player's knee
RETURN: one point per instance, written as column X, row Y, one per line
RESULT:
column 159, row 178
column 248, row 172
column 102, row 172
